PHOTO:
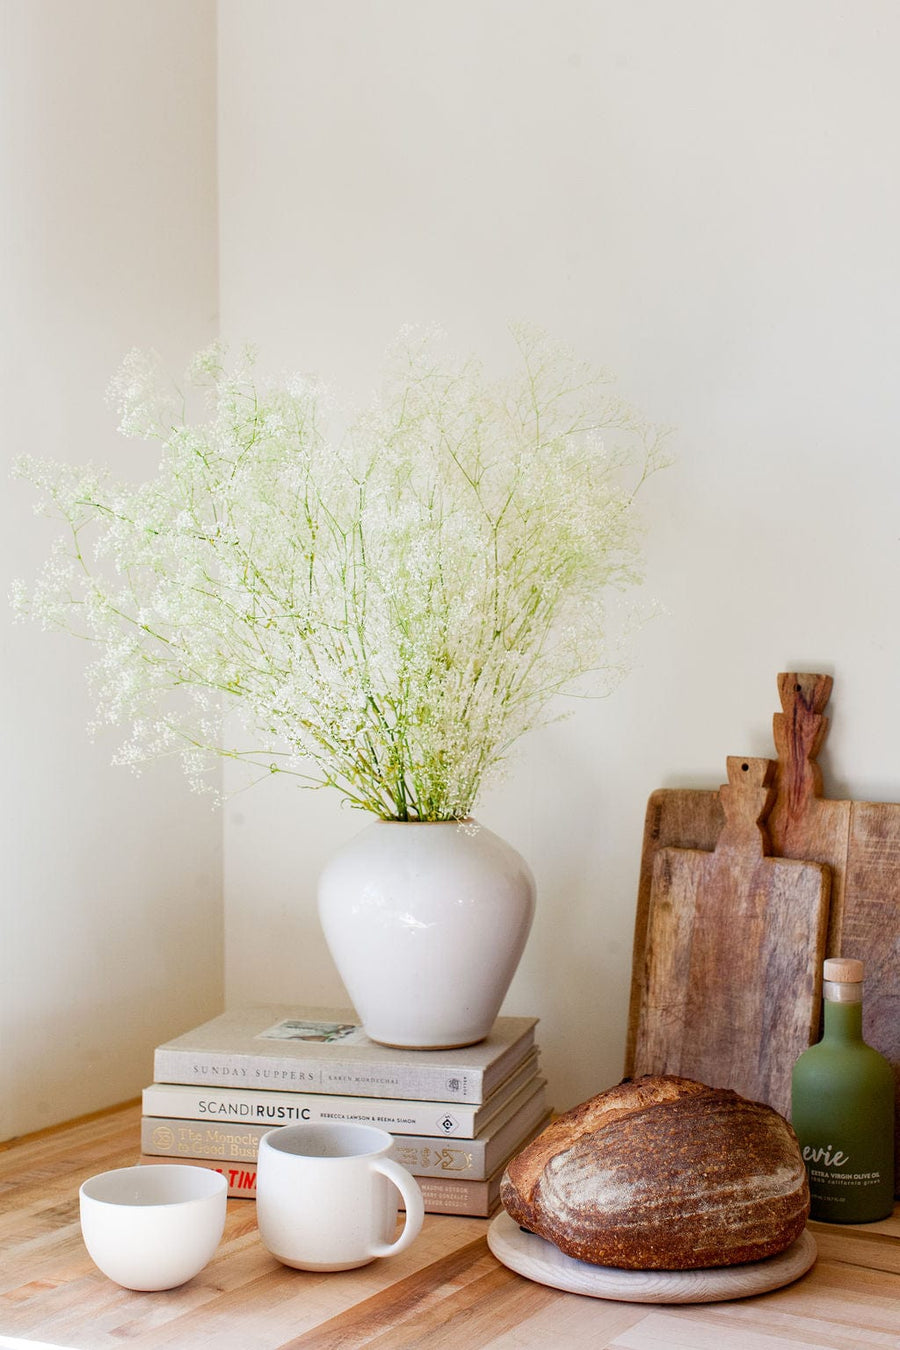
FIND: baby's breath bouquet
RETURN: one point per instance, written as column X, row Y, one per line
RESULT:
column 385, row 612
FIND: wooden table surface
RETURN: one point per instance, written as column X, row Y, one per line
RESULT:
column 447, row 1290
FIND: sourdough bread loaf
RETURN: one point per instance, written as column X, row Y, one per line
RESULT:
column 662, row 1173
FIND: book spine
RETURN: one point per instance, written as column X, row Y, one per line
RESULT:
column 256, row 1106
column 471, row 1159
column 505, row 1063
column 241, row 1180
column 226, row 1144
column 349, row 1078
column 473, row 1199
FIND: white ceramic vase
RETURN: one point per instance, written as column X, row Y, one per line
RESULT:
column 426, row 923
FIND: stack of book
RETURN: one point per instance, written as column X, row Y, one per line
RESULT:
column 456, row 1116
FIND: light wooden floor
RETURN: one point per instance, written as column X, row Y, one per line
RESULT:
column 447, row 1290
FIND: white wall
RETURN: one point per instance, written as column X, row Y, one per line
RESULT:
column 110, row 905
column 702, row 196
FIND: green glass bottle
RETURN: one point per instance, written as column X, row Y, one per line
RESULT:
column 842, row 1109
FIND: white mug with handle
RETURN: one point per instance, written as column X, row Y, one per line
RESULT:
column 327, row 1196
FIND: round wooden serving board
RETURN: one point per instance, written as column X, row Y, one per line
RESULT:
column 537, row 1260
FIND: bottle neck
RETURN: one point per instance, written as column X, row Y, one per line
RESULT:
column 843, row 1021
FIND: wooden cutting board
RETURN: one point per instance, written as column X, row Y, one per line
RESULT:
column 858, row 841
column 735, row 942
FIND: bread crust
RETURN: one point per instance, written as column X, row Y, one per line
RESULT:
column 662, row 1173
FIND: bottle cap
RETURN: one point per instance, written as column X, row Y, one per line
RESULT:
column 844, row 970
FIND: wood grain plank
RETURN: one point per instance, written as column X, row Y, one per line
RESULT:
column 571, row 1322
column 870, row 930
column 696, row 1330
column 470, row 1317
column 833, row 1306
column 689, row 818
column 106, row 1120
column 408, row 1302
column 280, row 1306
column 875, row 1251
column 669, row 1331
column 734, row 950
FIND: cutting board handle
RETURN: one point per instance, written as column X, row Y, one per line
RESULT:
column 746, row 800
column 799, row 731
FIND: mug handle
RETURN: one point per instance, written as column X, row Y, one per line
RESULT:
column 415, row 1206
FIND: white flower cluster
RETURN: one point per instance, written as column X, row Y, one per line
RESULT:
column 387, row 614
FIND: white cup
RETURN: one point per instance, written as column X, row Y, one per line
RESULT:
column 326, row 1196
column 153, row 1227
